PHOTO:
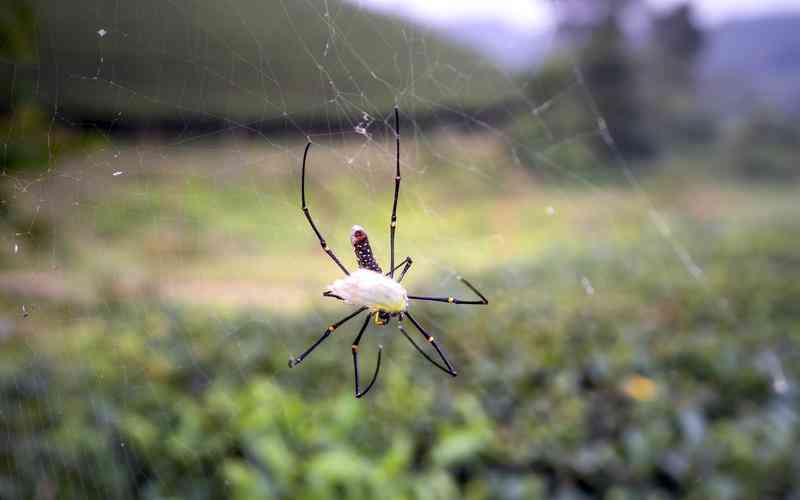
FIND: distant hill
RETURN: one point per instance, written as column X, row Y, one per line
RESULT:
column 245, row 61
column 253, row 61
column 515, row 49
column 746, row 62
column 754, row 61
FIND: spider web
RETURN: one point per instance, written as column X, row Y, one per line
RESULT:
column 164, row 240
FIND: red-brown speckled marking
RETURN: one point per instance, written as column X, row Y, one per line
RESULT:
column 363, row 250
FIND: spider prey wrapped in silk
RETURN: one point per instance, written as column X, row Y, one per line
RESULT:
column 368, row 286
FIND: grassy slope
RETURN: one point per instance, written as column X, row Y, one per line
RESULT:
column 198, row 283
column 248, row 60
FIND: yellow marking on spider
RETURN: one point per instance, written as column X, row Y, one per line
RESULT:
column 451, row 300
column 331, row 328
column 355, row 348
column 431, row 339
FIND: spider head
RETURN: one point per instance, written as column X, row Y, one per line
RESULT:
column 357, row 235
column 382, row 318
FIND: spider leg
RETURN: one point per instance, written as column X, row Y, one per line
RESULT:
column 450, row 300
column 447, row 368
column 393, row 223
column 331, row 294
column 296, row 361
column 322, row 241
column 355, row 360
column 405, row 264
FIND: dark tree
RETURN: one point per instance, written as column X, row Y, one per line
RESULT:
column 610, row 71
column 17, row 45
column 566, row 132
column 677, row 43
column 610, row 68
column 670, row 66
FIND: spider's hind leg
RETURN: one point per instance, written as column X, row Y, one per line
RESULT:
column 447, row 368
column 355, row 361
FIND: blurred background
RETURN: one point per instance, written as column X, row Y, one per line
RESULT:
column 619, row 177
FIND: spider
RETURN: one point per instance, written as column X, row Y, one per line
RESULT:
column 371, row 290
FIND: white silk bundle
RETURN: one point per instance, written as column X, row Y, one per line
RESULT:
column 374, row 290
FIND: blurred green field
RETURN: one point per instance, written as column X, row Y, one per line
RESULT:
column 641, row 341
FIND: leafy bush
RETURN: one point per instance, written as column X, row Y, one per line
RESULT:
column 765, row 147
column 657, row 385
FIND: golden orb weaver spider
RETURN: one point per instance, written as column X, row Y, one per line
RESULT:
column 371, row 290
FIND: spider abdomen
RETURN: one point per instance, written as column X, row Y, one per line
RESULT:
column 374, row 290
column 360, row 242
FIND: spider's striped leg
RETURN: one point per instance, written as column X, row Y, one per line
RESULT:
column 322, row 241
column 355, row 360
column 296, row 361
column 405, row 264
column 447, row 368
column 451, row 300
column 393, row 222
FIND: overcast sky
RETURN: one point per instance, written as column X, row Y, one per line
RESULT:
column 536, row 14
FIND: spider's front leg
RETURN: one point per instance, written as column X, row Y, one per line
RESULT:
column 393, row 221
column 405, row 264
column 307, row 213
column 452, row 300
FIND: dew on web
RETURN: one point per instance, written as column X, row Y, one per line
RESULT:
column 362, row 128
column 587, row 285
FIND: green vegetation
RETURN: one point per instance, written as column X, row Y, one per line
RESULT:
column 764, row 148
column 642, row 336
column 607, row 365
column 247, row 61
